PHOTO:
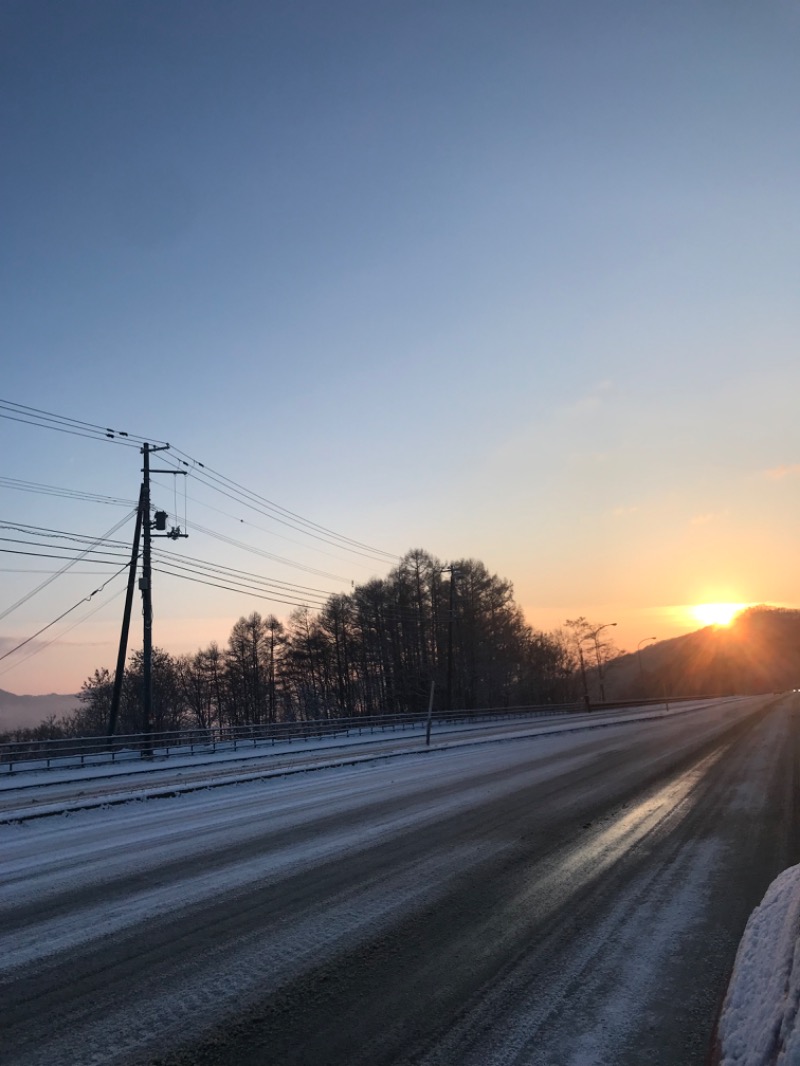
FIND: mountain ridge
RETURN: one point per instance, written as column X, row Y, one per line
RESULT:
column 759, row 651
column 26, row 712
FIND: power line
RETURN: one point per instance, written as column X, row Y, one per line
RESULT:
column 231, row 584
column 30, row 570
column 260, row 593
column 261, row 551
column 64, row 614
column 265, row 554
column 52, row 578
column 35, row 416
column 55, row 490
column 67, row 629
column 199, row 565
column 250, row 581
column 365, row 617
column 233, row 490
column 108, row 557
column 76, row 494
column 261, row 509
column 198, row 571
column 187, row 562
column 212, row 478
column 63, row 429
column 63, row 534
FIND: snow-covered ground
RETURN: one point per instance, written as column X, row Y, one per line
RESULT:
column 759, row 1024
column 127, row 929
column 35, row 790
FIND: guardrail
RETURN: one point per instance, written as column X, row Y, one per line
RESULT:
column 86, row 751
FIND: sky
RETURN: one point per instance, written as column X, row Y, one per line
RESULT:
column 508, row 281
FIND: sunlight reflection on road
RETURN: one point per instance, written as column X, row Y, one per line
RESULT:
column 604, row 846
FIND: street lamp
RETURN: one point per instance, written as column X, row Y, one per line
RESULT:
column 599, row 660
column 583, row 676
column 454, row 573
column 639, row 656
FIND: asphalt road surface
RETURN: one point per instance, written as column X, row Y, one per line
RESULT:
column 554, row 901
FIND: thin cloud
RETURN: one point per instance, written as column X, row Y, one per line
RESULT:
column 592, row 401
column 778, row 473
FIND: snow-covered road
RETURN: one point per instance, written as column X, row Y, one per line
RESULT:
column 27, row 792
column 557, row 898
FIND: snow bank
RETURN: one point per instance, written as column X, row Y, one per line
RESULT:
column 759, row 1021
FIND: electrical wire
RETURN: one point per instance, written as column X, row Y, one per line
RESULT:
column 52, row 578
column 386, row 613
column 233, row 490
column 232, row 585
column 59, row 491
column 35, row 416
column 247, row 592
column 55, row 490
column 69, row 610
column 186, row 562
column 212, row 478
column 261, row 551
column 202, row 572
column 260, row 509
column 29, row 570
column 200, row 565
column 111, row 559
column 264, row 554
column 62, row 633
column 63, row 534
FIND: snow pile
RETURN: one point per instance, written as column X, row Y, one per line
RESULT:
column 759, row 1021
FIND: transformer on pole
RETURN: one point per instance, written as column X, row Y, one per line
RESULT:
column 145, row 525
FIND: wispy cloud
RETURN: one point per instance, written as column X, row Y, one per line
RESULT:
column 592, row 401
column 583, row 406
column 778, row 473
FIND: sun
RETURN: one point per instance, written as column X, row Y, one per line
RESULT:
column 717, row 614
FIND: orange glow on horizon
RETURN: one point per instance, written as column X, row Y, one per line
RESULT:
column 717, row 614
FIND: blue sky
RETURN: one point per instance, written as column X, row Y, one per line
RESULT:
column 515, row 281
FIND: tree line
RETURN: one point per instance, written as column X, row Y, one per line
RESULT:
column 375, row 650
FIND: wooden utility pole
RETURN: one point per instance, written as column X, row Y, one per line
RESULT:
column 145, row 584
column 126, row 621
column 147, row 608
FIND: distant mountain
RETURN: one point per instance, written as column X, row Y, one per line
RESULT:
column 758, row 652
column 26, row 712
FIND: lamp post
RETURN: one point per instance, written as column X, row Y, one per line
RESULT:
column 583, row 678
column 644, row 640
column 593, row 635
column 454, row 573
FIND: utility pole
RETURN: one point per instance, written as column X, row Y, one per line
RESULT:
column 145, row 585
column 126, row 621
column 147, row 607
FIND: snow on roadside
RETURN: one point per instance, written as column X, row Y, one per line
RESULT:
column 19, row 775
column 759, row 1021
column 41, row 793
